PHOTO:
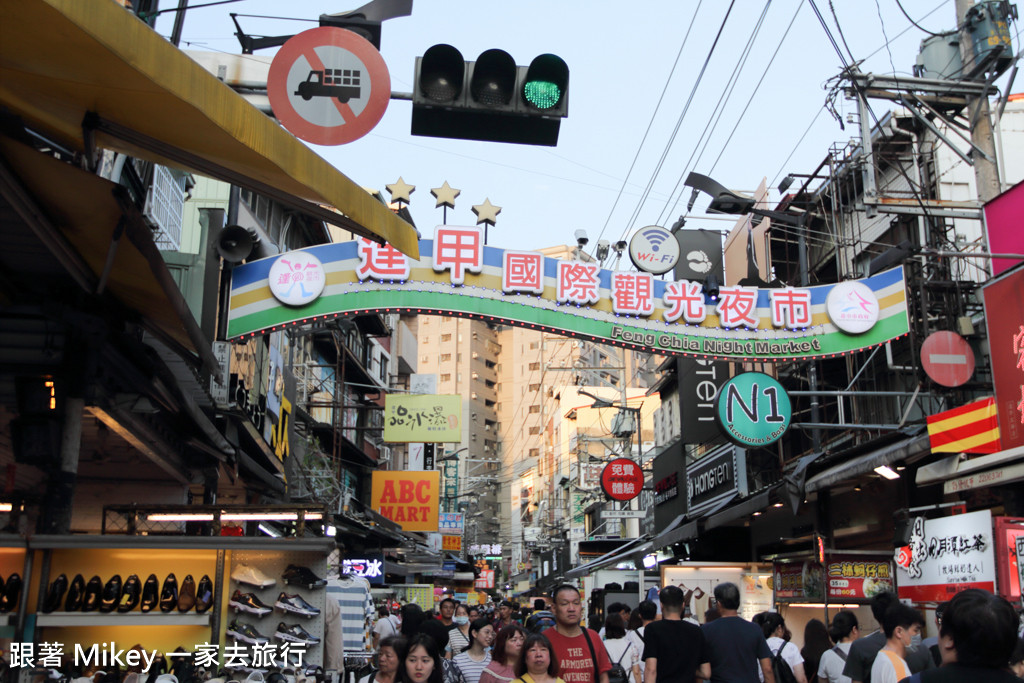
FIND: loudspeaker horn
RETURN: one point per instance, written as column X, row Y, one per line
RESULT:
column 236, row 243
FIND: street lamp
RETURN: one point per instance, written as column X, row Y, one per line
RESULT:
column 454, row 455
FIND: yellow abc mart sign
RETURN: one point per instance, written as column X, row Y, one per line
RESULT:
column 407, row 498
column 428, row 418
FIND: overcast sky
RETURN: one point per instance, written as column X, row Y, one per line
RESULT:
column 620, row 57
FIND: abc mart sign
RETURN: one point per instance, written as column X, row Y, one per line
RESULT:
column 456, row 275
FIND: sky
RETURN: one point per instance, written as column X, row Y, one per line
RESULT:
column 641, row 112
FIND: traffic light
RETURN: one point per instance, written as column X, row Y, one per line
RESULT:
column 491, row 99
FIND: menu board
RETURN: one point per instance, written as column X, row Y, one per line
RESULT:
column 797, row 581
column 858, row 577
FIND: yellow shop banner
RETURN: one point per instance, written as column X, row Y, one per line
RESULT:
column 429, row 418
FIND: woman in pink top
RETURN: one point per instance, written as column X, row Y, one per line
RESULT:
column 507, row 647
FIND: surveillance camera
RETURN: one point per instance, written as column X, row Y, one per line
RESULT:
column 581, row 238
column 602, row 249
column 620, row 246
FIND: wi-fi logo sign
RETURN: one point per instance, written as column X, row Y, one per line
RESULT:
column 656, row 238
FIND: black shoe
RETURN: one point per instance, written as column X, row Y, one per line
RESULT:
column 295, row 634
column 303, row 576
column 296, row 605
column 245, row 633
column 55, row 595
column 150, row 593
column 11, row 595
column 76, row 591
column 204, row 594
column 130, row 594
column 187, row 594
column 111, row 594
column 91, row 598
column 248, row 602
column 169, row 594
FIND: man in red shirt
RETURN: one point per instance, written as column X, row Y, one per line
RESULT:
column 581, row 654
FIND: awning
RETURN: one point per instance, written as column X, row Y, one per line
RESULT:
column 748, row 506
column 855, row 467
column 677, row 530
column 90, row 73
column 637, row 545
column 76, row 214
column 961, row 472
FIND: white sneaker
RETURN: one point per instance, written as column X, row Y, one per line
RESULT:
column 252, row 576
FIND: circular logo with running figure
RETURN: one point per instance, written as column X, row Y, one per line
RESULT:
column 297, row 278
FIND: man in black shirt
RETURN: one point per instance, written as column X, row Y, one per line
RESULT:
column 977, row 638
column 674, row 650
column 736, row 647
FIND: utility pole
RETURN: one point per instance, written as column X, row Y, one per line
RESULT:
column 986, row 172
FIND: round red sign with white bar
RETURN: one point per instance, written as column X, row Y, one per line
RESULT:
column 622, row 479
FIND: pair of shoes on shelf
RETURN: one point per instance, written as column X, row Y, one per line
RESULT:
column 191, row 595
column 294, row 604
column 248, row 575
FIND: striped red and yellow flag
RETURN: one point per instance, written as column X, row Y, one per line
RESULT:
column 973, row 428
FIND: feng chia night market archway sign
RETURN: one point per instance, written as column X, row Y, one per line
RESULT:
column 457, row 275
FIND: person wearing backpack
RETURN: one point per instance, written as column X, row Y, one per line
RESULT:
column 625, row 658
column 675, row 651
column 844, row 631
column 787, row 662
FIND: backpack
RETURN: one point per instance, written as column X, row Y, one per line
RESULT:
column 538, row 622
column 618, row 673
column 780, row 667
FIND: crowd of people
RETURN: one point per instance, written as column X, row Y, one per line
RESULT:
column 978, row 641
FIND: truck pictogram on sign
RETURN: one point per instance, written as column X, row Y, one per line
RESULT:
column 340, row 83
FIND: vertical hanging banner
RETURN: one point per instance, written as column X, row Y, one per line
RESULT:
column 407, row 498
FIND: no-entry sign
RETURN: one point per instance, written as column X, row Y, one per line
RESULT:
column 947, row 358
column 328, row 86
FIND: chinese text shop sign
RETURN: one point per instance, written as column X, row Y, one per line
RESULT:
column 945, row 556
column 422, row 417
column 407, row 498
column 1004, row 317
column 856, row 577
column 457, row 275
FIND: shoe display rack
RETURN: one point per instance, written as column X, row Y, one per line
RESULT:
column 180, row 626
column 13, row 573
column 249, row 592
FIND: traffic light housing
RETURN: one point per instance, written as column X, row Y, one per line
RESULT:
column 491, row 99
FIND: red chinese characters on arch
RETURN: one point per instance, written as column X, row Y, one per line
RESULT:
column 684, row 299
column 523, row 271
column 381, row 262
column 791, row 307
column 578, row 283
column 458, row 249
column 632, row 293
column 737, row 306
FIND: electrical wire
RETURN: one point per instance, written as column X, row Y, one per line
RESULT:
column 839, row 28
column 900, row 5
column 650, row 123
column 716, row 116
column 686, row 107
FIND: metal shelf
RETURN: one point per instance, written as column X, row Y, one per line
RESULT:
column 121, row 619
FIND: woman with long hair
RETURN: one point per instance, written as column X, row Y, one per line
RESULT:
column 508, row 645
column 816, row 643
column 458, row 639
column 473, row 661
column 537, row 663
column 387, row 661
column 420, row 661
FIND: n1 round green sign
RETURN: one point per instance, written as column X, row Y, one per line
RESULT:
column 753, row 410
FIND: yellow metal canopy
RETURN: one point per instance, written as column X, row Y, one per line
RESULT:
column 89, row 71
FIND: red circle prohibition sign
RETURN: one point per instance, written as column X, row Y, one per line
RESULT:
column 328, row 86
